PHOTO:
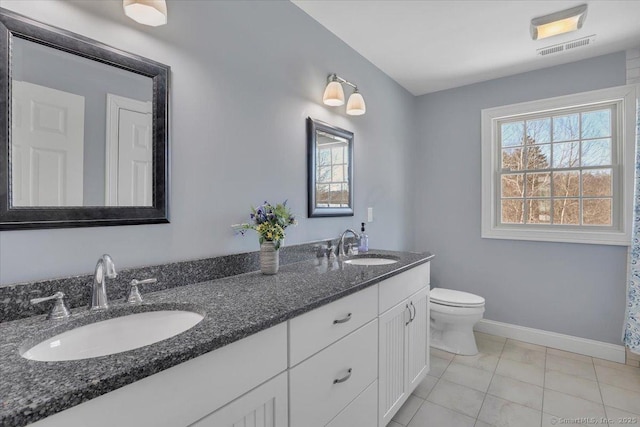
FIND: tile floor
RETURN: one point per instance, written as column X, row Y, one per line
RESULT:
column 512, row 383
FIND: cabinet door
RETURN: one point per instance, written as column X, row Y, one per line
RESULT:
column 417, row 342
column 392, row 356
column 266, row 406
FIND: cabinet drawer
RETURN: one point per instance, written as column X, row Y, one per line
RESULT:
column 317, row 329
column 362, row 412
column 315, row 397
column 397, row 288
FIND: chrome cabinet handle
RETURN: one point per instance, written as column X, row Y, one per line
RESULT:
column 343, row 379
column 407, row 308
column 414, row 312
column 60, row 310
column 343, row 320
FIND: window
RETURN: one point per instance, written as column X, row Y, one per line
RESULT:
column 560, row 169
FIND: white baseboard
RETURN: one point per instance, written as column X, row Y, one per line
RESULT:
column 602, row 350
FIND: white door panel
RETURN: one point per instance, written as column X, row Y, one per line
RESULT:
column 129, row 152
column 47, row 146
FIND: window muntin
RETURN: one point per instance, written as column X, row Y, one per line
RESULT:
column 332, row 171
column 557, row 168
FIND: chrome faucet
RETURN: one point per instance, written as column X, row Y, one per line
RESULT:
column 104, row 268
column 341, row 251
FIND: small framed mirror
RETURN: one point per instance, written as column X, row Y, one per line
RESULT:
column 330, row 170
column 84, row 139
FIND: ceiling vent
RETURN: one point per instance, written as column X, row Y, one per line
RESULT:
column 562, row 47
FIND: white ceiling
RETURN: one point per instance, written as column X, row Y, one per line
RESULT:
column 429, row 45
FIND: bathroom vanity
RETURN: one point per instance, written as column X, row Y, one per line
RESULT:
column 323, row 343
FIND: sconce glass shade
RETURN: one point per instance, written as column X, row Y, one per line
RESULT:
column 355, row 105
column 146, row 12
column 333, row 94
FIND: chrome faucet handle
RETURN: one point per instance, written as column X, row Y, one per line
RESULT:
column 331, row 254
column 134, row 296
column 59, row 310
column 352, row 249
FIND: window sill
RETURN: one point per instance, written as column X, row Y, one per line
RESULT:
column 561, row 236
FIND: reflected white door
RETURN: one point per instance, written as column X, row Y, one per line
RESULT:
column 47, row 146
column 129, row 153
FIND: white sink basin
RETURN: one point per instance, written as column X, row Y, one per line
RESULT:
column 371, row 261
column 113, row 335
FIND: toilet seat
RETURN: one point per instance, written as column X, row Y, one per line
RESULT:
column 452, row 298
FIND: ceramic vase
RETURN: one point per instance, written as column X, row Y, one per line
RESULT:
column 269, row 258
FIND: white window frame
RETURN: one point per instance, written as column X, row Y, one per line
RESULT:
column 624, row 160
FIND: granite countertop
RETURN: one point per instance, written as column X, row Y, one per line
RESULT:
column 233, row 308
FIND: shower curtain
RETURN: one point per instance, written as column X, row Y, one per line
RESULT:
column 632, row 318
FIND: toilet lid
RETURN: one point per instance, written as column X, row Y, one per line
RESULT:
column 455, row 298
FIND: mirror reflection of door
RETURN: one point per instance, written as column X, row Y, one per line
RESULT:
column 47, row 146
column 129, row 152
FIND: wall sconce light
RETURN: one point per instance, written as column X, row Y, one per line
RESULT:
column 557, row 23
column 334, row 96
column 146, row 12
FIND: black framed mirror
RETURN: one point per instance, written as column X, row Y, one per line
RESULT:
column 85, row 140
column 330, row 170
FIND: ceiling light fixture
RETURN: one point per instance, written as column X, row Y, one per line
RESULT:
column 557, row 23
column 334, row 96
column 146, row 12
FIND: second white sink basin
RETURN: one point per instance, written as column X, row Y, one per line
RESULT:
column 113, row 335
column 371, row 261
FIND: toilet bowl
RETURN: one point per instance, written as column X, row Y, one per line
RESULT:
column 453, row 314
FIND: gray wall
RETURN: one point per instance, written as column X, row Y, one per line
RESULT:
column 245, row 75
column 573, row 289
column 44, row 66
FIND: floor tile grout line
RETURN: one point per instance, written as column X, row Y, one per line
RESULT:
column 615, row 385
column 462, row 385
column 449, row 409
column 604, row 407
column 484, row 398
column 430, row 391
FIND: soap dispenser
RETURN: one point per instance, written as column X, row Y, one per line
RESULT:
column 364, row 240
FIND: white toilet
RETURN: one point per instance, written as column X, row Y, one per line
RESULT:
column 453, row 314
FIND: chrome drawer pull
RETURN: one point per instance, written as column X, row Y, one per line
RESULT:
column 343, row 320
column 414, row 312
column 343, row 379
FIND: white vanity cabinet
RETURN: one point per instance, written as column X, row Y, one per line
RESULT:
column 350, row 363
column 403, row 339
column 187, row 393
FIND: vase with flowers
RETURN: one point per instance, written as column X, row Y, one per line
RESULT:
column 269, row 221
